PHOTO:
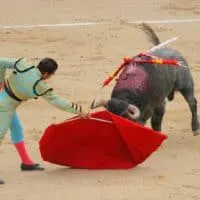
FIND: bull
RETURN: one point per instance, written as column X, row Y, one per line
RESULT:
column 141, row 90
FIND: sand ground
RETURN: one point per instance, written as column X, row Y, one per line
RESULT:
column 86, row 56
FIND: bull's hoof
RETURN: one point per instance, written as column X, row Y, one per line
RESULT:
column 35, row 167
column 197, row 132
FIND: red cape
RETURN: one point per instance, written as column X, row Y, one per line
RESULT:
column 91, row 144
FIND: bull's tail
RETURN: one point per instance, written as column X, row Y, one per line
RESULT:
column 150, row 33
column 155, row 40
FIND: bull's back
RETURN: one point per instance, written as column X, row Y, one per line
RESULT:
column 183, row 77
column 154, row 82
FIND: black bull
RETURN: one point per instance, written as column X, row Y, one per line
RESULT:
column 141, row 89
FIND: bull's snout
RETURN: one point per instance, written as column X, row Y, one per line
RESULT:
column 130, row 111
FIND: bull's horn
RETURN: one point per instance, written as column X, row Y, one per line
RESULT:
column 133, row 112
column 100, row 103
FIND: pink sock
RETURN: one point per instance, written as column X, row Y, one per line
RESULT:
column 21, row 149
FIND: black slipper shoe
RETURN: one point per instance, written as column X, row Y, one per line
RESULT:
column 1, row 182
column 35, row 167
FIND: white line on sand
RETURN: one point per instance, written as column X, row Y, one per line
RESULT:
column 47, row 25
column 169, row 21
column 30, row 26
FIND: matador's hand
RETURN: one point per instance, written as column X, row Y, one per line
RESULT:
column 84, row 115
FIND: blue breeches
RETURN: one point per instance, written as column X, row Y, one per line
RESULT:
column 16, row 129
column 9, row 118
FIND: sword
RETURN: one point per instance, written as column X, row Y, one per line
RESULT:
column 101, row 120
column 91, row 118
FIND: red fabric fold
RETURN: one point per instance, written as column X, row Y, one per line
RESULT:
column 91, row 144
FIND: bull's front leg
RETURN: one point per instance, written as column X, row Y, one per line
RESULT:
column 157, row 117
column 146, row 114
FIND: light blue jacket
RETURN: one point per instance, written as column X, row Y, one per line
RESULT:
column 26, row 83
